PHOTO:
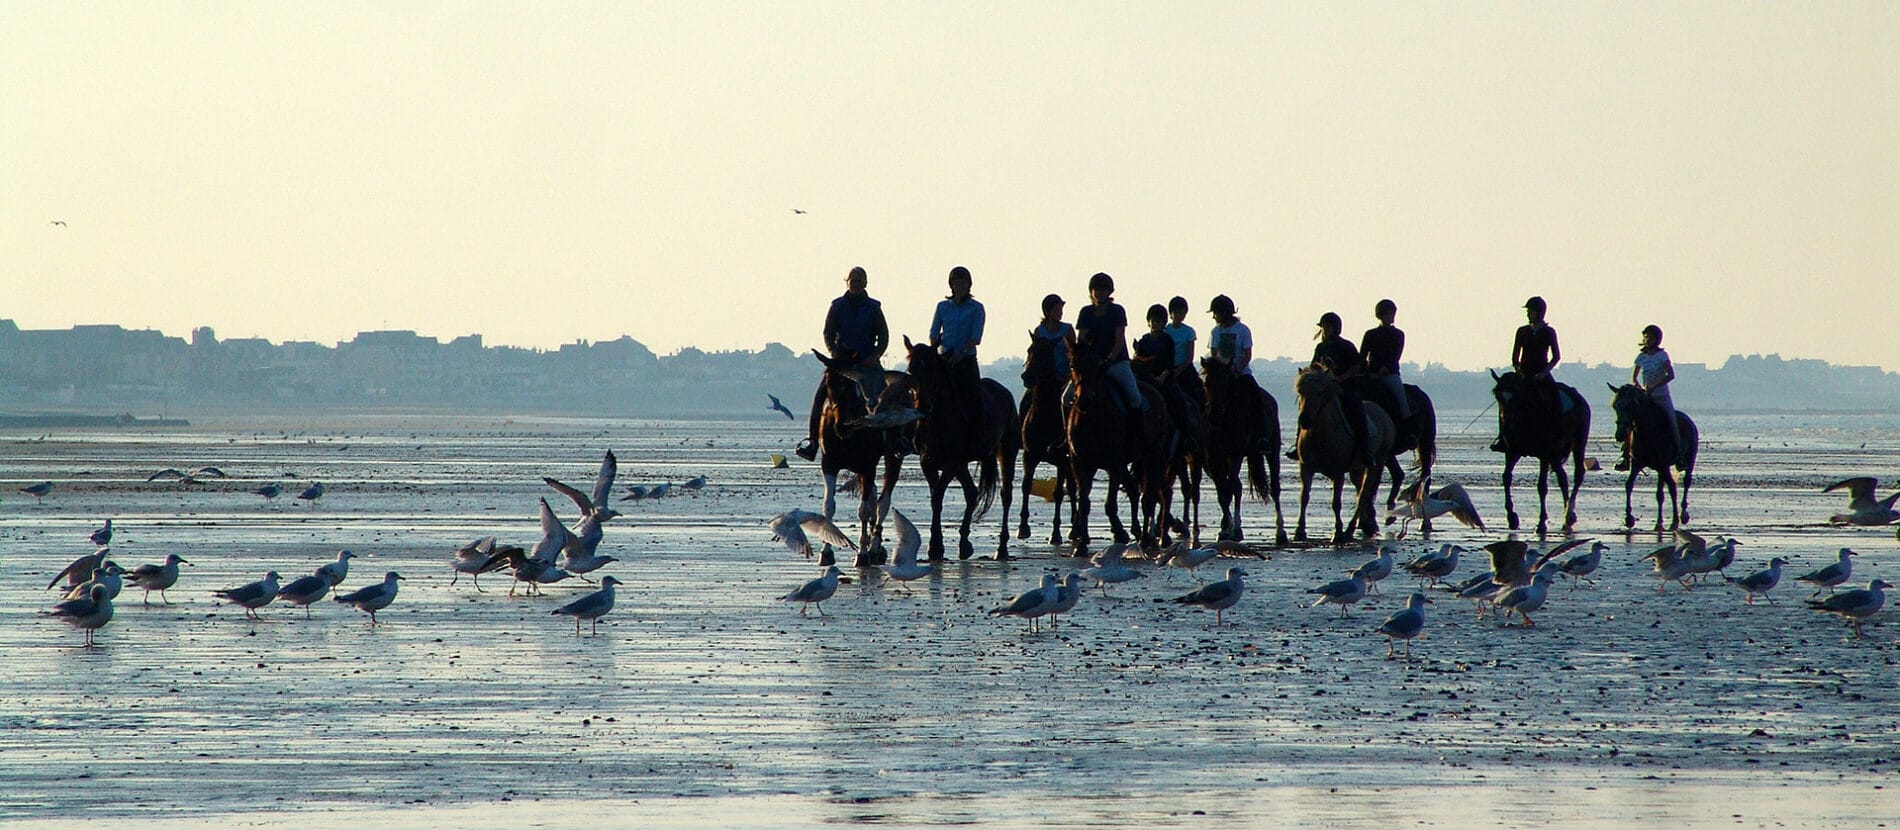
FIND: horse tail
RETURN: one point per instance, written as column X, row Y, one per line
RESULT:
column 986, row 487
column 1425, row 415
column 1261, row 485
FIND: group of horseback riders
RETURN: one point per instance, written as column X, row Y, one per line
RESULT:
column 856, row 334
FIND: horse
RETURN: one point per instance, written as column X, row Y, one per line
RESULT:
column 1326, row 448
column 1418, row 435
column 1639, row 423
column 1180, row 464
column 1234, row 436
column 842, row 446
column 1102, row 437
column 1531, row 429
column 1043, row 438
column 952, row 435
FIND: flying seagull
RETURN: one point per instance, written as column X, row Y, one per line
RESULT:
column 779, row 406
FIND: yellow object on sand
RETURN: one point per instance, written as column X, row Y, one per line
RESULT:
column 1044, row 488
column 778, row 461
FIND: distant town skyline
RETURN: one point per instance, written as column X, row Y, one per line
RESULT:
column 704, row 175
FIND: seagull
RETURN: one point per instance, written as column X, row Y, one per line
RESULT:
column 1434, row 567
column 635, row 492
column 81, row 569
column 779, row 406
column 1527, row 598
column 311, row 493
column 62, row 224
column 1718, row 557
column 794, row 529
column 1404, row 624
column 529, row 570
column 1032, row 603
column 1671, row 564
column 1420, row 506
column 1217, row 596
column 891, row 418
column 209, row 472
column 252, row 595
column 694, row 483
column 1760, row 582
column 794, row 210
column 305, row 590
column 90, row 613
column 108, row 574
column 1481, row 588
column 816, row 591
column 904, row 567
column 102, row 536
column 555, row 536
column 1377, row 568
column 1109, row 569
column 373, row 598
column 1067, row 595
column 334, row 572
column 596, row 504
column 168, row 472
column 659, row 491
column 591, row 607
column 474, row 559
column 38, row 491
column 1830, row 576
column 1342, row 593
column 578, row 556
column 157, row 577
column 1855, row 605
column 1863, row 508
column 1582, row 565
column 269, row 491
column 1186, row 558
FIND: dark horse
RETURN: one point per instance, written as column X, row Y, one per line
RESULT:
column 1043, row 438
column 954, row 434
column 1417, row 435
column 1103, row 437
column 844, row 447
column 1326, row 448
column 1639, row 423
column 1531, row 429
column 1235, row 436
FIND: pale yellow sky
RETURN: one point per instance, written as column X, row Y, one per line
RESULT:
column 543, row 173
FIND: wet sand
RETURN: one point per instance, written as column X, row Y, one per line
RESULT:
column 705, row 702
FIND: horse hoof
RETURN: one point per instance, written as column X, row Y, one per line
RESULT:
column 1513, row 520
column 1055, row 540
column 1630, row 521
column 1281, row 539
column 1022, row 532
column 965, row 550
column 827, row 558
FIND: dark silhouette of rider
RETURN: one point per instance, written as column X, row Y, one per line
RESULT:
column 1338, row 356
column 1533, row 355
column 1382, row 347
column 854, row 333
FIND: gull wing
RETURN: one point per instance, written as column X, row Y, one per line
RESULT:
column 604, row 480
column 908, row 539
column 554, row 535
column 827, row 532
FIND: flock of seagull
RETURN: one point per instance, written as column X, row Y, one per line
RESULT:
column 1517, row 585
column 94, row 581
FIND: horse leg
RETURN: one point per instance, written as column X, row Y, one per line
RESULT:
column 1007, row 467
column 1510, row 508
column 1065, row 488
column 893, row 464
column 1117, row 484
column 1306, row 492
column 1030, row 462
column 1543, row 496
column 1079, row 510
column 1688, row 475
column 1339, row 525
column 964, row 549
column 938, row 482
column 869, row 556
column 1629, row 486
column 1369, row 501
column 827, row 557
column 1273, row 492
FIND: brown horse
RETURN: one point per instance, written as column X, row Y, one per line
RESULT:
column 1103, row 437
column 1326, row 448
column 955, row 434
column 1235, row 436
column 1640, row 424
column 1417, row 435
column 1043, row 438
column 1531, row 429
column 842, row 446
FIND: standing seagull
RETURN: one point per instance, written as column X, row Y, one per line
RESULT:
column 1527, row 598
column 904, row 567
column 1067, row 595
column 1829, row 577
column 1220, row 596
column 1342, row 593
column 1761, row 582
column 1377, row 568
column 334, row 572
column 157, row 577
column 90, row 613
column 81, row 569
column 39, row 491
column 590, row 607
column 305, row 590
column 102, row 536
column 311, row 493
column 1863, row 508
column 816, row 591
column 1031, row 604
column 253, row 595
column 475, row 559
column 1404, row 625
column 373, row 598
column 1109, row 569
column 269, row 491
column 779, row 406
column 1581, row 566
column 1855, row 605
column 1434, row 567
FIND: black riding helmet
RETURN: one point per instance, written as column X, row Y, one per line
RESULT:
column 1222, row 305
column 1101, row 281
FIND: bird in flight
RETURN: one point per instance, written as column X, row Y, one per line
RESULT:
column 779, row 406
column 794, row 210
column 63, row 224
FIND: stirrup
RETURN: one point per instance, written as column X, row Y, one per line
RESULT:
column 807, row 450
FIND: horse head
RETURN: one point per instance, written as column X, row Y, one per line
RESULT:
column 1627, row 402
column 1039, row 367
column 1505, row 388
column 843, row 384
column 1315, row 386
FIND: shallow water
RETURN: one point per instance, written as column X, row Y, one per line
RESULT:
column 705, row 700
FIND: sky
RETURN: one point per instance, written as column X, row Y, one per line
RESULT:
column 551, row 172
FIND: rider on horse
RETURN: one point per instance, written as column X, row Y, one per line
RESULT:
column 1652, row 374
column 1338, row 356
column 955, row 332
column 1057, row 334
column 1101, row 330
column 1154, row 363
column 1533, row 355
column 854, row 333
column 1231, row 342
column 1382, row 347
